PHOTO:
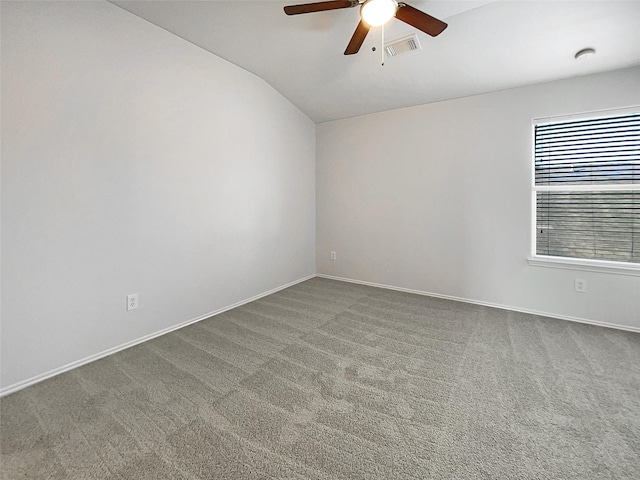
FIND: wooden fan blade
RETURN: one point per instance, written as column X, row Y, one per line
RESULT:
column 357, row 39
column 414, row 17
column 319, row 6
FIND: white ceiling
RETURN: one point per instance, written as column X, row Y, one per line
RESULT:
column 488, row 46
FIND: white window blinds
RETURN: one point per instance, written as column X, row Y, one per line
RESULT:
column 587, row 188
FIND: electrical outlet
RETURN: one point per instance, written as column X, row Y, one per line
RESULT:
column 132, row 301
column 333, row 255
column 581, row 285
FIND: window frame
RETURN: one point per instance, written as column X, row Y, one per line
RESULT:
column 571, row 263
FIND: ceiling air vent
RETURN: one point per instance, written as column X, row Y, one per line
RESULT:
column 402, row 45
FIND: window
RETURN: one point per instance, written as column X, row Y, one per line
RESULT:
column 587, row 190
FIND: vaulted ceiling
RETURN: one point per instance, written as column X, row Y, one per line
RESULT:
column 488, row 46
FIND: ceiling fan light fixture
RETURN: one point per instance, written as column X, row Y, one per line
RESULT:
column 378, row 12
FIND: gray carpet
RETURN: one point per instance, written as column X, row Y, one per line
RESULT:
column 329, row 380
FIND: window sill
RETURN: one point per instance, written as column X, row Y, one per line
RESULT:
column 599, row 266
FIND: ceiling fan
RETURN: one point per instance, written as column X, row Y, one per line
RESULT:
column 374, row 13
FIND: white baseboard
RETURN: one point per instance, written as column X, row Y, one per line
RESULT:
column 78, row 363
column 486, row 304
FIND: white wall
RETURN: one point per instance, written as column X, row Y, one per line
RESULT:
column 437, row 198
column 135, row 162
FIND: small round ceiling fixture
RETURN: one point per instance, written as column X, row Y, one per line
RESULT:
column 585, row 53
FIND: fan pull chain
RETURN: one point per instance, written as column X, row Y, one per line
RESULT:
column 382, row 47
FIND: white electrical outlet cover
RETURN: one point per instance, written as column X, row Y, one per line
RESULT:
column 580, row 285
column 132, row 301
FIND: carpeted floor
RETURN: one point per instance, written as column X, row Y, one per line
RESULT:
column 329, row 380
